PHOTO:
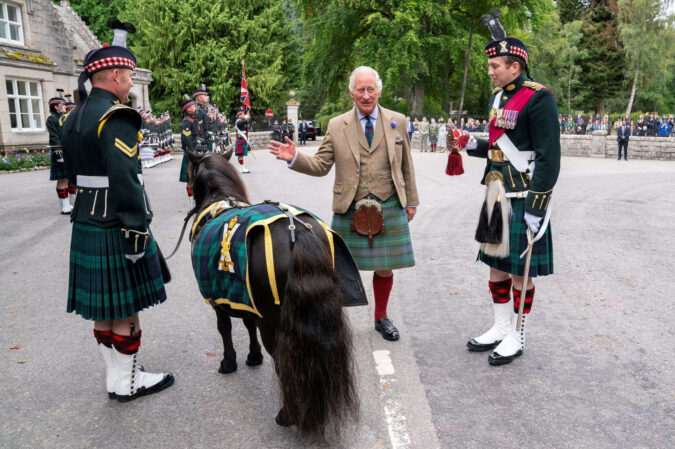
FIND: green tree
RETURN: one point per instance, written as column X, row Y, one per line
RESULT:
column 200, row 41
column 96, row 13
column 556, row 50
column 604, row 64
column 642, row 32
column 417, row 46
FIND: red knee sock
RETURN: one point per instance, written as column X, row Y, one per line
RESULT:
column 62, row 193
column 72, row 189
column 127, row 344
column 103, row 337
column 241, row 160
column 501, row 291
column 190, row 192
column 529, row 297
column 382, row 289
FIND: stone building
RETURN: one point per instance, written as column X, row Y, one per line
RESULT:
column 42, row 46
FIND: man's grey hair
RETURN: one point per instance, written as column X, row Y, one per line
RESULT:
column 364, row 69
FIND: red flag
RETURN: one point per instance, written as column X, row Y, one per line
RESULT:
column 245, row 101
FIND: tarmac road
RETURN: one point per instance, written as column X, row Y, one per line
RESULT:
column 596, row 372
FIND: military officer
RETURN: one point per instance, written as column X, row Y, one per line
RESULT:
column 241, row 126
column 57, row 169
column 523, row 161
column 201, row 97
column 189, row 131
column 116, row 269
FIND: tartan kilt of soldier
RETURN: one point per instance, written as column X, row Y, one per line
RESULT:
column 541, row 263
column 391, row 250
column 183, row 177
column 242, row 146
column 57, row 170
column 103, row 284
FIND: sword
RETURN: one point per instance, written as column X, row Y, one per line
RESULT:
column 523, row 291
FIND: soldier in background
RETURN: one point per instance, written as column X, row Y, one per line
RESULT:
column 241, row 126
column 189, row 133
column 201, row 97
column 57, row 169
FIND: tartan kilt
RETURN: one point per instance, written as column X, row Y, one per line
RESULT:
column 103, row 284
column 391, row 250
column 183, row 177
column 242, row 147
column 433, row 138
column 57, row 170
column 541, row 263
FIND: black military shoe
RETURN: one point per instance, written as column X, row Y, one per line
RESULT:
column 385, row 327
column 474, row 346
column 496, row 359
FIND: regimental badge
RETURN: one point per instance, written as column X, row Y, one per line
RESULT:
column 493, row 113
column 503, row 48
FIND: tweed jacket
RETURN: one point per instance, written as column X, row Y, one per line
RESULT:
column 340, row 147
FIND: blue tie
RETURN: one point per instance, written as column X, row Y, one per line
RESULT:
column 370, row 132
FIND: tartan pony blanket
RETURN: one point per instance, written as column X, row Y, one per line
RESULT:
column 220, row 237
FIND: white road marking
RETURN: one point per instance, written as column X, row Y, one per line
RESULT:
column 393, row 411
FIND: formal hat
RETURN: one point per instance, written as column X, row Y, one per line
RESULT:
column 56, row 100
column 201, row 91
column 501, row 45
column 109, row 56
column 186, row 103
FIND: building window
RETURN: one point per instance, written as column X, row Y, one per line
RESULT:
column 25, row 105
column 10, row 24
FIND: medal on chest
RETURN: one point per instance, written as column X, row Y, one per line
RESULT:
column 505, row 118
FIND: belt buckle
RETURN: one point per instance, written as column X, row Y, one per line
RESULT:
column 496, row 156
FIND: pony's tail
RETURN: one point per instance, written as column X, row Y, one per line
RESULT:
column 314, row 346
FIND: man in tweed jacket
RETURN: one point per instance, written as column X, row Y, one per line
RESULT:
column 370, row 149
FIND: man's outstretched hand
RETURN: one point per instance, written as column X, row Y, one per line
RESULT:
column 284, row 151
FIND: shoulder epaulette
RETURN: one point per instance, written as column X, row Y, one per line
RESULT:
column 496, row 90
column 533, row 85
column 63, row 118
column 119, row 107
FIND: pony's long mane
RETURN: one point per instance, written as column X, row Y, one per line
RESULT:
column 214, row 179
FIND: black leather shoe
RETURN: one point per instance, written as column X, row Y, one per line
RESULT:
column 474, row 346
column 496, row 359
column 385, row 327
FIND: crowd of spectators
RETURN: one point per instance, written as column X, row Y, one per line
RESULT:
column 649, row 125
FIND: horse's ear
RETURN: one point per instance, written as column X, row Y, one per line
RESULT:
column 194, row 158
column 228, row 154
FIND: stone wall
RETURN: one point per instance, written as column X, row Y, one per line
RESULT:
column 602, row 145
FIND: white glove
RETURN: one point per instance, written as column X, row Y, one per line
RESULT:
column 533, row 222
column 134, row 257
column 471, row 144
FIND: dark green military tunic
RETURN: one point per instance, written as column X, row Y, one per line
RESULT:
column 189, row 130
column 111, row 214
column 57, row 169
column 536, row 129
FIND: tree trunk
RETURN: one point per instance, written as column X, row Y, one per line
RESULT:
column 466, row 62
column 416, row 100
column 445, row 105
column 600, row 106
column 632, row 93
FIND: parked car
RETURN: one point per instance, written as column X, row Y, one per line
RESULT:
column 313, row 129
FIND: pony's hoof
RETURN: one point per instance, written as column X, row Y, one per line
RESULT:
column 254, row 359
column 282, row 420
column 227, row 366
